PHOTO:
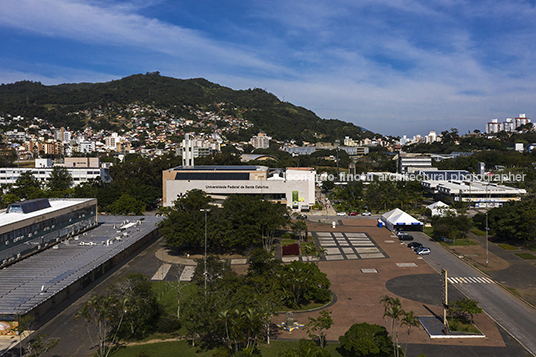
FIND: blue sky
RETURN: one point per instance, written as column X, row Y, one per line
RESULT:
column 392, row 66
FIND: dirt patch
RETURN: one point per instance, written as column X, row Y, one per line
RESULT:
column 476, row 256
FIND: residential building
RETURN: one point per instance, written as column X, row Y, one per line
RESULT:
column 260, row 141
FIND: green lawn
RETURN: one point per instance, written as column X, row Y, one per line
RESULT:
column 458, row 242
column 185, row 349
column 285, row 242
column 507, row 247
column 458, row 326
column 428, row 231
column 526, row 255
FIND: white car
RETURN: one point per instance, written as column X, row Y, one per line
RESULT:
column 341, row 213
column 423, row 251
column 366, row 213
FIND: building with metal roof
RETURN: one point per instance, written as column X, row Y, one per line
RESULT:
column 476, row 193
column 30, row 226
column 41, row 281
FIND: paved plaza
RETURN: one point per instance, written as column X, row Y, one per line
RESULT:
column 348, row 245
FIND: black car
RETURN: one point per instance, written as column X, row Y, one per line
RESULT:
column 405, row 236
column 414, row 245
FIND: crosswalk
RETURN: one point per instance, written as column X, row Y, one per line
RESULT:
column 469, row 280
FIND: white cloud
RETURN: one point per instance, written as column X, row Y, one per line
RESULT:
column 121, row 26
column 388, row 65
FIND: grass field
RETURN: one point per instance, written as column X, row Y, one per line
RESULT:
column 526, row 255
column 459, row 242
column 507, row 247
column 185, row 349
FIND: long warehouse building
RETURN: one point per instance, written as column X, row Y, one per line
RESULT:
column 29, row 226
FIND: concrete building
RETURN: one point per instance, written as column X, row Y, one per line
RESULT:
column 40, row 282
column 494, row 126
column 29, row 226
column 409, row 163
column 521, row 120
column 476, row 193
column 62, row 135
column 294, row 187
column 81, row 169
column 509, row 125
column 260, row 141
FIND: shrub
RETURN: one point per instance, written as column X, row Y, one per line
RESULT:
column 366, row 340
column 288, row 236
column 168, row 324
column 293, row 249
column 322, row 295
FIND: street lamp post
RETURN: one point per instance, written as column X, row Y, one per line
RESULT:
column 206, row 210
column 487, row 228
column 337, row 142
column 487, row 251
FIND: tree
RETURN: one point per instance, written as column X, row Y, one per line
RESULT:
column 463, row 307
column 302, row 282
column 184, row 223
column 40, row 345
column 262, row 263
column 306, row 349
column 60, row 180
column 365, row 340
column 106, row 313
column 393, row 309
column 127, row 204
column 216, row 269
column 410, row 320
column 143, row 308
column 316, row 327
column 27, row 187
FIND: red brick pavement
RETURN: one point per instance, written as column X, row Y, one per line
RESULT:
column 358, row 294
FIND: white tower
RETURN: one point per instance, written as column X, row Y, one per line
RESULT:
column 187, row 152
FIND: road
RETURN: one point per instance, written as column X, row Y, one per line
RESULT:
column 515, row 316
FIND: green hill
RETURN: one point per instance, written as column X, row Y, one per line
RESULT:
column 279, row 119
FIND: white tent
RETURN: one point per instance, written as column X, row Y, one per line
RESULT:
column 400, row 220
column 441, row 209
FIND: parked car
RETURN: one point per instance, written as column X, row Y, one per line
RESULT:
column 405, row 236
column 353, row 214
column 414, row 245
column 423, row 251
column 341, row 213
column 366, row 213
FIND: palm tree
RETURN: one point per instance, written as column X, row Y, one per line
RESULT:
column 393, row 309
column 410, row 320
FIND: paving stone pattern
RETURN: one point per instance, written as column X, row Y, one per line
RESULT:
column 351, row 245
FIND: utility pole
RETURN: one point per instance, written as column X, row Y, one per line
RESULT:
column 206, row 210
column 337, row 142
column 445, row 295
column 487, row 228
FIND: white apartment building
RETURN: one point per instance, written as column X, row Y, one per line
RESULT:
column 81, row 170
column 260, row 141
column 494, row 126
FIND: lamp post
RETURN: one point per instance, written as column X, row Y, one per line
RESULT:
column 487, row 228
column 206, row 210
column 487, row 251
column 337, row 142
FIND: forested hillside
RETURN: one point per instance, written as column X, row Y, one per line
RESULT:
column 281, row 120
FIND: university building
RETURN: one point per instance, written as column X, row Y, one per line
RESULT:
column 294, row 187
